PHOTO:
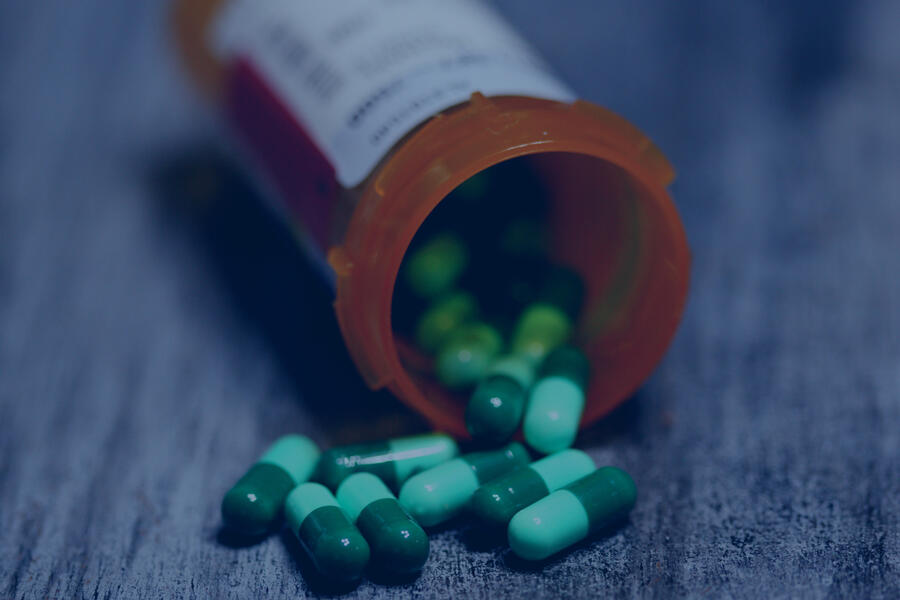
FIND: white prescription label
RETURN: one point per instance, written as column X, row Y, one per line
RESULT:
column 359, row 75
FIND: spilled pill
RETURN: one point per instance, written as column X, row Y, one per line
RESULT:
column 397, row 542
column 497, row 501
column 253, row 504
column 438, row 494
column 393, row 461
column 336, row 547
column 570, row 514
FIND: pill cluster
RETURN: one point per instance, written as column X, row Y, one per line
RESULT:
column 497, row 333
column 491, row 316
column 341, row 504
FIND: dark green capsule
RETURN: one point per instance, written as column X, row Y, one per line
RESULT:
column 438, row 494
column 497, row 501
column 568, row 362
column 254, row 503
column 572, row 513
column 336, row 547
column 498, row 402
column 393, row 461
column 398, row 543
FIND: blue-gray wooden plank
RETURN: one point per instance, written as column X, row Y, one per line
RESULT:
column 148, row 354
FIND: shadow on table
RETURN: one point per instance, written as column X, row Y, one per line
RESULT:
column 277, row 291
column 232, row 539
column 483, row 538
column 622, row 422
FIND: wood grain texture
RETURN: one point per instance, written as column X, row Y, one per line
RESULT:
column 150, row 349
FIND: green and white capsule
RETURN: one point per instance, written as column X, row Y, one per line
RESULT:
column 254, row 503
column 435, row 267
column 393, row 461
column 556, row 401
column 466, row 355
column 397, row 542
column 495, row 409
column 336, row 547
column 441, row 492
column 570, row 514
column 442, row 318
column 497, row 501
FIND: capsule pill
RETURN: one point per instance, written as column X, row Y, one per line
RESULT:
column 497, row 501
column 556, row 401
column 393, row 460
column 467, row 354
column 442, row 318
column 397, row 542
column 548, row 322
column 436, row 266
column 495, row 408
column 337, row 548
column 440, row 493
column 254, row 503
column 570, row 514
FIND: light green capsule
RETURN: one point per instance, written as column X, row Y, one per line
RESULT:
column 518, row 368
column 442, row 318
column 393, row 461
column 253, row 504
column 497, row 501
column 541, row 328
column 435, row 267
column 467, row 354
column 438, row 494
column 334, row 544
column 570, row 514
column 556, row 401
column 397, row 542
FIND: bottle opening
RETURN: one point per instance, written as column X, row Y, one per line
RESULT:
column 594, row 185
column 553, row 208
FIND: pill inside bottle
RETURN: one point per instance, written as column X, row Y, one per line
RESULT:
column 521, row 258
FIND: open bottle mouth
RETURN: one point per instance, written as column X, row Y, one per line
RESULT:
column 608, row 217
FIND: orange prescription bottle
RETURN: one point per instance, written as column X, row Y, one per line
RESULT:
column 365, row 115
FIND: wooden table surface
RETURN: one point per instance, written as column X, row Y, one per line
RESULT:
column 151, row 347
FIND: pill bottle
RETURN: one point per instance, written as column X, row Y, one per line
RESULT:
column 362, row 116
